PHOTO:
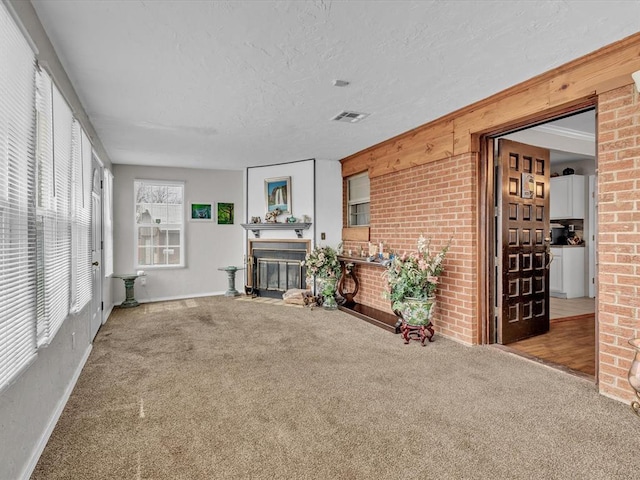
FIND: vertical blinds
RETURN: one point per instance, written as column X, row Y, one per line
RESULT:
column 17, row 205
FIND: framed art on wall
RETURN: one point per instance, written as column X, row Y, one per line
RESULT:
column 225, row 213
column 201, row 212
column 278, row 194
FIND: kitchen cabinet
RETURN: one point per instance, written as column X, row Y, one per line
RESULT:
column 567, row 197
column 566, row 272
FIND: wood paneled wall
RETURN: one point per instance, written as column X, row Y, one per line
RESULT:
column 545, row 96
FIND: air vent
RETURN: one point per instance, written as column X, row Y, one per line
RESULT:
column 350, row 117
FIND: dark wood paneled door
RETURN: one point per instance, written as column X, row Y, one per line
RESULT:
column 525, row 231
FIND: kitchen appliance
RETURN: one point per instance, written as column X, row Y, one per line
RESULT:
column 559, row 234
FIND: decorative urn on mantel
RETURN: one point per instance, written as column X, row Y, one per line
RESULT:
column 412, row 281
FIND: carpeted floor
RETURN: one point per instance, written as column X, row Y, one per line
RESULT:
column 216, row 388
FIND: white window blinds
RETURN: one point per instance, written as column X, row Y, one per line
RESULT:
column 17, row 190
column 107, row 192
column 81, row 287
column 57, row 220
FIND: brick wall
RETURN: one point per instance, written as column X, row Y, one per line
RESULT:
column 437, row 200
column 618, row 236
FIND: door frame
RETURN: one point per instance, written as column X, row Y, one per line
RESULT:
column 486, row 250
column 96, row 163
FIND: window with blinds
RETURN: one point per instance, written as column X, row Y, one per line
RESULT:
column 45, row 206
column 108, row 222
column 358, row 199
column 17, row 206
column 80, row 218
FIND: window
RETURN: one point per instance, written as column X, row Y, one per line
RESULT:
column 159, row 220
column 108, row 222
column 81, row 285
column 17, row 207
column 358, row 199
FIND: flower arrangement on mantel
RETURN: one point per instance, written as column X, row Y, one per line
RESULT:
column 415, row 274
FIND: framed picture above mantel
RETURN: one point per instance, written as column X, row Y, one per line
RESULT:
column 277, row 192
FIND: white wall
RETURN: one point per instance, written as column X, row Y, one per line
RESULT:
column 302, row 195
column 316, row 191
column 30, row 407
column 329, row 202
column 209, row 246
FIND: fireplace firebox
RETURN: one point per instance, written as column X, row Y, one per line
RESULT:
column 275, row 266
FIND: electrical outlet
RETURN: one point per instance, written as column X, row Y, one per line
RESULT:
column 323, row 236
column 143, row 281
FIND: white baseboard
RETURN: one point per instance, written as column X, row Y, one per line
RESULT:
column 180, row 297
column 105, row 315
column 31, row 465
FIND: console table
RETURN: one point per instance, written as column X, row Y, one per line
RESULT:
column 385, row 320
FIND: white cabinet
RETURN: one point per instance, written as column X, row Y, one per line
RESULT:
column 566, row 272
column 567, row 197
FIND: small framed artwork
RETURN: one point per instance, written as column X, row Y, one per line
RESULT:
column 225, row 213
column 277, row 193
column 201, row 212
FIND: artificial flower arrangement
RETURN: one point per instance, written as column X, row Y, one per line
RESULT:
column 415, row 274
column 322, row 262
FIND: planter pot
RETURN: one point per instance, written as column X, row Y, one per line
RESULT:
column 327, row 286
column 418, row 311
column 634, row 374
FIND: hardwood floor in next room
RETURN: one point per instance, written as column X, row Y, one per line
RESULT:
column 571, row 341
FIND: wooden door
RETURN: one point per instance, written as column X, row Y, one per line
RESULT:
column 525, row 238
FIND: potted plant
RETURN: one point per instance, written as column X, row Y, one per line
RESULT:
column 412, row 280
column 323, row 264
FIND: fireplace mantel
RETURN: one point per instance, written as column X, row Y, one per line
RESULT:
column 256, row 227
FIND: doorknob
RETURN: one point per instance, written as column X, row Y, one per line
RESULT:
column 95, row 264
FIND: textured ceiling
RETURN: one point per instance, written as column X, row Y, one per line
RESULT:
column 229, row 84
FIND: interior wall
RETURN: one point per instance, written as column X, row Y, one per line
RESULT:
column 618, row 219
column 208, row 246
column 30, row 407
column 329, row 202
column 439, row 201
column 302, row 174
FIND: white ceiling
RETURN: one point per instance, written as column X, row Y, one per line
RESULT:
column 229, row 84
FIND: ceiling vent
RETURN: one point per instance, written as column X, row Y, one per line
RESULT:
column 350, row 117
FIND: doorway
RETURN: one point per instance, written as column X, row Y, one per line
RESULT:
column 570, row 341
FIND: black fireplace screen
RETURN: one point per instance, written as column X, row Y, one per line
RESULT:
column 275, row 266
column 276, row 274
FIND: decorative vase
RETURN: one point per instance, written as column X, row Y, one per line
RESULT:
column 418, row 311
column 327, row 286
column 634, row 374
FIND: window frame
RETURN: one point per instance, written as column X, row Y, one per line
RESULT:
column 358, row 201
column 180, row 225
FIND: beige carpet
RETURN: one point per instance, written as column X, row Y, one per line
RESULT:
column 217, row 388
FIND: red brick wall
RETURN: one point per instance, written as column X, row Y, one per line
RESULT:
column 437, row 200
column 619, row 236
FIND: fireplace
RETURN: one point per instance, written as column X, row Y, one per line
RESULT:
column 275, row 266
